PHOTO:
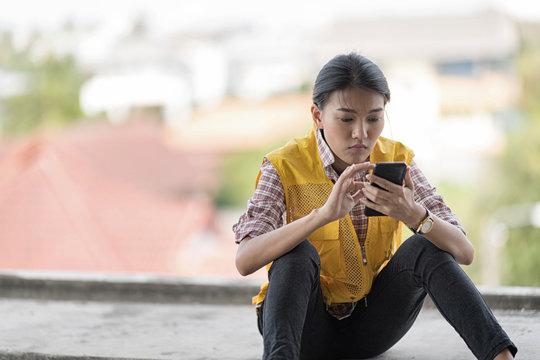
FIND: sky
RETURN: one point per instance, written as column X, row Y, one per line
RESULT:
column 22, row 16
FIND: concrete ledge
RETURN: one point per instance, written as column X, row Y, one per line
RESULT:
column 161, row 289
column 506, row 298
column 39, row 356
column 511, row 298
column 126, row 288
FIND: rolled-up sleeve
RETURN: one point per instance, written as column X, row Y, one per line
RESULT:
column 266, row 209
column 426, row 195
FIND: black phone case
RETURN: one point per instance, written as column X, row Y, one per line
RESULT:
column 391, row 171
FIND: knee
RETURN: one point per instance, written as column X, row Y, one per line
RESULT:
column 420, row 243
column 303, row 258
column 424, row 251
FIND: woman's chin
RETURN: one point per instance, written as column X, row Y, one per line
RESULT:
column 357, row 159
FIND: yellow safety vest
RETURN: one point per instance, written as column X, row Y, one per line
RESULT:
column 344, row 275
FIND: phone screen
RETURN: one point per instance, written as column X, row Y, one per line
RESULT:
column 391, row 171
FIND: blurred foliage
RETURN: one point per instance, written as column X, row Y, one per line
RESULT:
column 239, row 172
column 521, row 258
column 51, row 87
column 519, row 168
column 458, row 197
column 515, row 174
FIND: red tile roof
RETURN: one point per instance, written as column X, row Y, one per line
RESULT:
column 110, row 199
column 138, row 153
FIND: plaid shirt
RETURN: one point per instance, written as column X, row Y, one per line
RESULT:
column 266, row 209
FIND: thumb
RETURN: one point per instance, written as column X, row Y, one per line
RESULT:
column 408, row 179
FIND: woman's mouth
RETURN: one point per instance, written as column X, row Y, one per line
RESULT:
column 358, row 147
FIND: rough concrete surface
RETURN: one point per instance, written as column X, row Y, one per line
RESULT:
column 74, row 316
column 38, row 329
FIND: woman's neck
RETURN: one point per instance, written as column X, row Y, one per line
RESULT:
column 339, row 165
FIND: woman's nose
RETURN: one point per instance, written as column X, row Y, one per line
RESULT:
column 359, row 132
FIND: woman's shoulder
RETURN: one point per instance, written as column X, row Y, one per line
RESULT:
column 384, row 141
column 391, row 150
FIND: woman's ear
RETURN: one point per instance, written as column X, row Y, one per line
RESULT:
column 316, row 115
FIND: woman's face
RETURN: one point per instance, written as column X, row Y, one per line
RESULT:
column 352, row 120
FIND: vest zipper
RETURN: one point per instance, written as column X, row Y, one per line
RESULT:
column 364, row 258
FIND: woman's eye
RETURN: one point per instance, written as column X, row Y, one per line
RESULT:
column 375, row 119
column 346, row 119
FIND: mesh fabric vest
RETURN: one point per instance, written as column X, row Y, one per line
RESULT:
column 345, row 277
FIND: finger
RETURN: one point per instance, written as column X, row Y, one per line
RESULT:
column 360, row 167
column 377, row 195
column 359, row 194
column 344, row 180
column 385, row 184
column 366, row 165
column 408, row 179
column 356, row 185
column 352, row 170
column 370, row 204
column 371, row 192
column 346, row 174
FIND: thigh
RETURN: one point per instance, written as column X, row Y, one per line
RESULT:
column 293, row 317
column 319, row 332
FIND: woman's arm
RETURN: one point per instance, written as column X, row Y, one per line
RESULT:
column 254, row 253
column 398, row 202
column 444, row 235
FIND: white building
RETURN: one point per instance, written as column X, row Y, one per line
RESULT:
column 170, row 74
column 450, row 77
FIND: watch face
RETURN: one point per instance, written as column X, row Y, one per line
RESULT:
column 426, row 226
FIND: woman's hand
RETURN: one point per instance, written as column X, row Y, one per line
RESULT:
column 345, row 194
column 396, row 201
column 254, row 253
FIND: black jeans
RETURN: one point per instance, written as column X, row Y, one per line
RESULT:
column 295, row 324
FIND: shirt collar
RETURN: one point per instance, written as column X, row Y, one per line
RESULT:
column 327, row 157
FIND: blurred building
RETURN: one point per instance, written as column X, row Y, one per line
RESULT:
column 110, row 199
column 171, row 74
column 452, row 78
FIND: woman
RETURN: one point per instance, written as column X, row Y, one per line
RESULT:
column 341, row 285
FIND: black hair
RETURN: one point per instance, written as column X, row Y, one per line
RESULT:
column 349, row 71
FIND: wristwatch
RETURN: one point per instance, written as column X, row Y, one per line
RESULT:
column 425, row 225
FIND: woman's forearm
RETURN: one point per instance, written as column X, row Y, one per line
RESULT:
column 254, row 253
column 451, row 239
column 445, row 236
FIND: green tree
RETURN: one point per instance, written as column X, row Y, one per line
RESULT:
column 516, row 171
column 51, row 97
column 239, row 171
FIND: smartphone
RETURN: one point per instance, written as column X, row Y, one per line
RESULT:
column 391, row 171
